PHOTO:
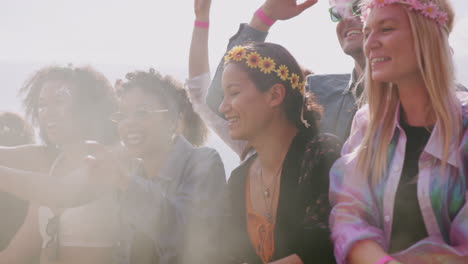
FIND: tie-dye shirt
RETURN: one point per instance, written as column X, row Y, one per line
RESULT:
column 362, row 211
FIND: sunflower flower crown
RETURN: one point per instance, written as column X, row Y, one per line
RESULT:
column 266, row 65
column 429, row 10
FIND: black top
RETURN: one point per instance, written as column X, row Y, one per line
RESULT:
column 408, row 224
column 303, row 208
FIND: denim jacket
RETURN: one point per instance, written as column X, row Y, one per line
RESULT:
column 179, row 210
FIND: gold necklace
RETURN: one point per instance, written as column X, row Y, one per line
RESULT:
column 267, row 193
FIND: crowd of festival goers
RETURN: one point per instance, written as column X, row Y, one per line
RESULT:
column 369, row 167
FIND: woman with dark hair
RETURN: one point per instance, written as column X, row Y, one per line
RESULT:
column 14, row 131
column 172, row 93
column 69, row 105
column 173, row 197
column 278, row 198
column 170, row 192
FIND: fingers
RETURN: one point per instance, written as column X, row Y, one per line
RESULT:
column 306, row 4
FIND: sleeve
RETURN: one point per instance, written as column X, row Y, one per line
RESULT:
column 184, row 225
column 244, row 34
column 436, row 250
column 197, row 89
column 314, row 243
column 358, row 128
column 459, row 228
column 355, row 215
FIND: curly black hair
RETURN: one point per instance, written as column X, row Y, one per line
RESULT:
column 93, row 100
column 173, row 94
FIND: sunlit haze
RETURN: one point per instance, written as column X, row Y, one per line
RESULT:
column 120, row 35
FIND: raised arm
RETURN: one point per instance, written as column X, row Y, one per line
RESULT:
column 100, row 177
column 199, row 77
column 256, row 30
column 279, row 10
column 198, row 57
column 27, row 157
column 45, row 190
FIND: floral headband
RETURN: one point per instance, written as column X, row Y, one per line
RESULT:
column 266, row 65
column 429, row 10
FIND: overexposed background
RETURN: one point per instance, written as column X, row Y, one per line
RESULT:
column 118, row 36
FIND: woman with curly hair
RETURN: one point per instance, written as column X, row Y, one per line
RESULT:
column 169, row 190
column 172, row 198
column 69, row 105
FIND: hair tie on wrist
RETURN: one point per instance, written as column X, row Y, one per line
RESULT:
column 264, row 18
column 202, row 24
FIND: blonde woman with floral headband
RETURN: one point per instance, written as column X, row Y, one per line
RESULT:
column 400, row 192
column 277, row 198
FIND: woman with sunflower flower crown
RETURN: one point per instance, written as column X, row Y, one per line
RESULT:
column 399, row 194
column 199, row 80
column 277, row 201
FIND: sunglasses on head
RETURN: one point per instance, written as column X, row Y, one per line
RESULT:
column 338, row 12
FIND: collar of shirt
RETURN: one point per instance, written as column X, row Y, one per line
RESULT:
column 354, row 85
column 179, row 154
column 434, row 146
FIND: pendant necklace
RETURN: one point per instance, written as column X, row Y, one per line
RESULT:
column 269, row 193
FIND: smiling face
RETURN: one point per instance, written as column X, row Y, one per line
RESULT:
column 244, row 106
column 349, row 29
column 389, row 45
column 143, row 123
column 54, row 113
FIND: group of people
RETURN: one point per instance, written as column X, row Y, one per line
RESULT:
column 367, row 167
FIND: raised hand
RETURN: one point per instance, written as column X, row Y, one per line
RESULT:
column 202, row 9
column 279, row 10
column 285, row 9
column 108, row 166
column 198, row 56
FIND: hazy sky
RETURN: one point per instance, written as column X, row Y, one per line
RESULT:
column 118, row 36
column 157, row 32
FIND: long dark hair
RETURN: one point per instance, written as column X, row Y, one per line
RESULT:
column 295, row 104
column 171, row 93
column 93, row 100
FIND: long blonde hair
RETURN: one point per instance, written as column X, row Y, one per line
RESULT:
column 435, row 63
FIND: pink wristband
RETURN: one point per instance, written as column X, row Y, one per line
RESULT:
column 384, row 260
column 202, row 24
column 264, row 18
